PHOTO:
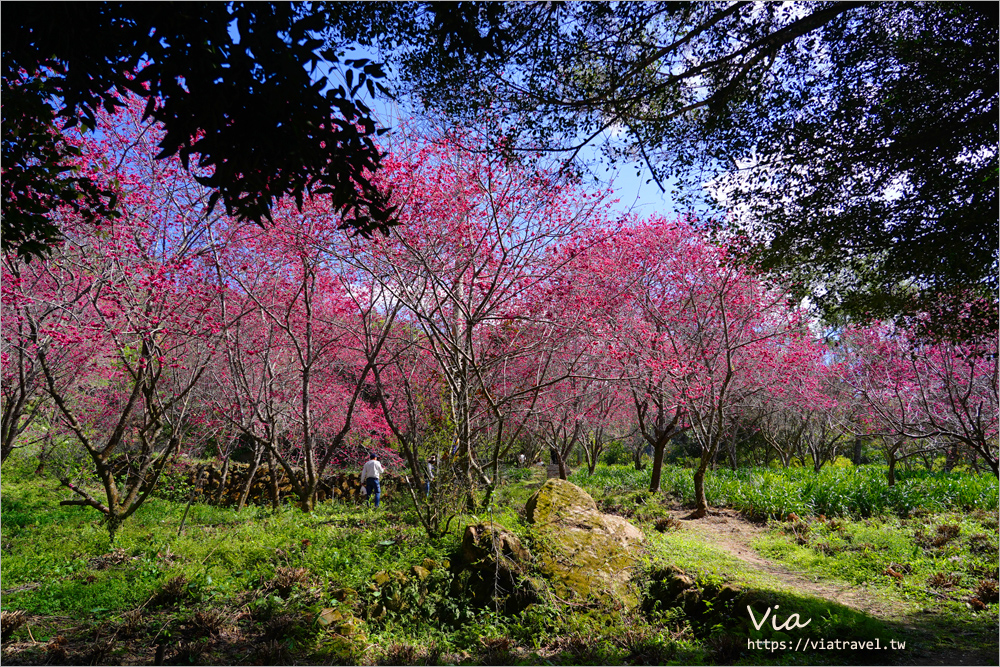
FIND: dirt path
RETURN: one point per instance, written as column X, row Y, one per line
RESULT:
column 729, row 532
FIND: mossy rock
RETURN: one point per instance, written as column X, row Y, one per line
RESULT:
column 341, row 621
column 557, row 500
column 345, row 595
column 711, row 604
column 581, row 550
column 492, row 569
column 482, row 543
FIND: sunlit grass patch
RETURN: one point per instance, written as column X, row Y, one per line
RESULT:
column 899, row 555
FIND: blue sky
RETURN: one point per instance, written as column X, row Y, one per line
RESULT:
column 632, row 191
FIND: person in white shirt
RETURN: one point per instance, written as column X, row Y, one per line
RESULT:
column 429, row 477
column 371, row 475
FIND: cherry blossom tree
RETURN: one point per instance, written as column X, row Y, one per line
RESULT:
column 583, row 408
column 801, row 409
column 251, row 388
column 957, row 385
column 878, row 371
column 618, row 280
column 609, row 420
column 915, row 390
column 129, row 304
column 303, row 342
column 560, row 419
column 477, row 238
column 414, row 403
column 693, row 334
column 26, row 314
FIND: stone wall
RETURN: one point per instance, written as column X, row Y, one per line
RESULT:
column 341, row 485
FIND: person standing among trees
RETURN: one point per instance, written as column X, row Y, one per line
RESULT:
column 371, row 474
column 431, row 462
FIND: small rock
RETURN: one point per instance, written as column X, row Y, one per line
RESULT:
column 481, row 543
column 493, row 568
column 680, row 583
column 689, row 599
column 729, row 593
column 329, row 616
column 344, row 595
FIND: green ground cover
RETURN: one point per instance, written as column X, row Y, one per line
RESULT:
column 849, row 491
column 261, row 586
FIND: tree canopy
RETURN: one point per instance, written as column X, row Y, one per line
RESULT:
column 853, row 144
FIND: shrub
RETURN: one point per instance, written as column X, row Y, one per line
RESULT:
column 616, row 454
column 986, row 591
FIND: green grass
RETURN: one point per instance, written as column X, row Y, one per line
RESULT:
column 864, row 552
column 157, row 586
column 762, row 591
column 221, row 550
column 765, row 493
column 908, row 561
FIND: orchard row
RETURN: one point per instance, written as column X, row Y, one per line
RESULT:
column 509, row 312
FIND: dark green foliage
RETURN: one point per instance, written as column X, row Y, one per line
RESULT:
column 244, row 106
column 414, row 600
column 878, row 192
column 38, row 171
column 616, row 454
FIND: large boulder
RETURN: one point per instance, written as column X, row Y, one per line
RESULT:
column 583, row 551
column 558, row 499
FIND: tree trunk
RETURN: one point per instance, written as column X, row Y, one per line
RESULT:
column 272, row 475
column 308, row 504
column 561, row 463
column 857, row 450
column 700, row 502
column 654, row 481
column 113, row 523
column 952, row 459
column 892, row 468
column 994, row 464
column 223, row 478
column 251, row 473
column 191, row 497
column 637, row 457
column 43, row 455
